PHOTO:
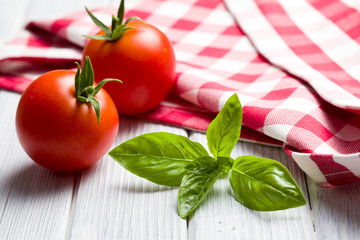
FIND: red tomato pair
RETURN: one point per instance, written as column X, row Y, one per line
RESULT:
column 65, row 126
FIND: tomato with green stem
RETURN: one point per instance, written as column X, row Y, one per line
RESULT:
column 137, row 53
column 65, row 126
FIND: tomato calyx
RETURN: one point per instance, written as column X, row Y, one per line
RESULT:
column 117, row 29
column 84, row 89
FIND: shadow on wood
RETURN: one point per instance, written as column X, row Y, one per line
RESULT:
column 31, row 180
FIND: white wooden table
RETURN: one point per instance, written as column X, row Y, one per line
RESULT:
column 107, row 202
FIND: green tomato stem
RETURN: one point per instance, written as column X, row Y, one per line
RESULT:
column 88, row 91
column 118, row 28
column 84, row 89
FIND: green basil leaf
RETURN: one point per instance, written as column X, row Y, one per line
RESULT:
column 264, row 185
column 200, row 177
column 159, row 157
column 224, row 131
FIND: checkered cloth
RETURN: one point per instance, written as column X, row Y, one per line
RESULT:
column 295, row 66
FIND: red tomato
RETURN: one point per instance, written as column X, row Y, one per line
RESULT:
column 143, row 59
column 59, row 132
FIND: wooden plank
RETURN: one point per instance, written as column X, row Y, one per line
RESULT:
column 220, row 216
column 112, row 203
column 336, row 211
column 34, row 202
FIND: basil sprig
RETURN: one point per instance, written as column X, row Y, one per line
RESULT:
column 168, row 159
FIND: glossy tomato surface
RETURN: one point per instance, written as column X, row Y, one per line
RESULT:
column 59, row 132
column 143, row 59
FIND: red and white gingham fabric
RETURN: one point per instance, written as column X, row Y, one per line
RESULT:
column 295, row 66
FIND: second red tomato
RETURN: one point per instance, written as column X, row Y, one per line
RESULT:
column 143, row 59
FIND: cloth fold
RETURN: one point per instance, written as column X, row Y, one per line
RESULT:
column 295, row 66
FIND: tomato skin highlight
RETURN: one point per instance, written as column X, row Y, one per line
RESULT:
column 143, row 59
column 57, row 131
